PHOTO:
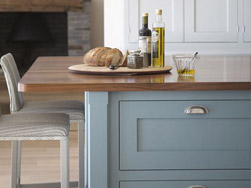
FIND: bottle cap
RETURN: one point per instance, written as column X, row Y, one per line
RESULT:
column 158, row 11
column 145, row 14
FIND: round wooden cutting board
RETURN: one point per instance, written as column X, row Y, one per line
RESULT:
column 85, row 69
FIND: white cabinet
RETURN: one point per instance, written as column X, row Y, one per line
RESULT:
column 247, row 20
column 172, row 16
column 211, row 20
column 207, row 26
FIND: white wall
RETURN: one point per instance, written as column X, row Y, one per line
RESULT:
column 113, row 23
column 97, row 23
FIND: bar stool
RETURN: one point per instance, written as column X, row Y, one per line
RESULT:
column 75, row 109
column 19, row 127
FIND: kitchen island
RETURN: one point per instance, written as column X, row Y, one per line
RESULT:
column 160, row 130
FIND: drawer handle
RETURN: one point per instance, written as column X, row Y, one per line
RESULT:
column 198, row 109
column 197, row 186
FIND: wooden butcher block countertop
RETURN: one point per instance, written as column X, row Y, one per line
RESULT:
column 51, row 74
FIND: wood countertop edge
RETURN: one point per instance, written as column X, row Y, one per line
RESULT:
column 182, row 86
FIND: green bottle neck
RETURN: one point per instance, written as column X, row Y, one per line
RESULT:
column 145, row 21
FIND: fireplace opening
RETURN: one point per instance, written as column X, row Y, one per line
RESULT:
column 29, row 35
column 30, row 28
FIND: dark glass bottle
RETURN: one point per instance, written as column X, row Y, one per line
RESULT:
column 145, row 39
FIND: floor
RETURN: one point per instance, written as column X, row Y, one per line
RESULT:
column 40, row 159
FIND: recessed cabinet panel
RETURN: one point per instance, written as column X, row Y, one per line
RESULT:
column 211, row 21
column 164, row 135
column 179, row 135
column 247, row 20
column 172, row 16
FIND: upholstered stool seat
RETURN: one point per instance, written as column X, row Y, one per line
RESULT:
column 34, row 127
column 45, row 126
column 74, row 109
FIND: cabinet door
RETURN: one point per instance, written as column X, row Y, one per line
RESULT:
column 172, row 16
column 211, row 21
column 247, row 20
column 158, row 135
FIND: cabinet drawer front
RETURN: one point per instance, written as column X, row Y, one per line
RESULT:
column 159, row 135
column 186, row 184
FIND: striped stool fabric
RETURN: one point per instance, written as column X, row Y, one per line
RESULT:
column 19, row 127
column 75, row 109
column 34, row 127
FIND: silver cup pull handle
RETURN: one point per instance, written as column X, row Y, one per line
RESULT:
column 197, row 186
column 197, row 109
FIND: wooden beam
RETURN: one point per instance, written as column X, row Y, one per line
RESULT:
column 40, row 5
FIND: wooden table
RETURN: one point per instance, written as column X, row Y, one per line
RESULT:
column 218, row 78
column 49, row 74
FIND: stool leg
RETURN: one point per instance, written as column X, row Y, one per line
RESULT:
column 81, row 154
column 14, row 159
column 64, row 155
column 19, row 159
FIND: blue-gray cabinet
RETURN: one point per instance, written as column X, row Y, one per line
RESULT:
column 170, row 139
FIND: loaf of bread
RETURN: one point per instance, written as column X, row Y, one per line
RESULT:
column 124, row 59
column 104, row 56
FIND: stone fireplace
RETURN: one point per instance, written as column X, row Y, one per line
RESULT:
column 62, row 33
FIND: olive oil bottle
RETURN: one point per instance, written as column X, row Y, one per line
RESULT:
column 145, row 39
column 158, row 41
